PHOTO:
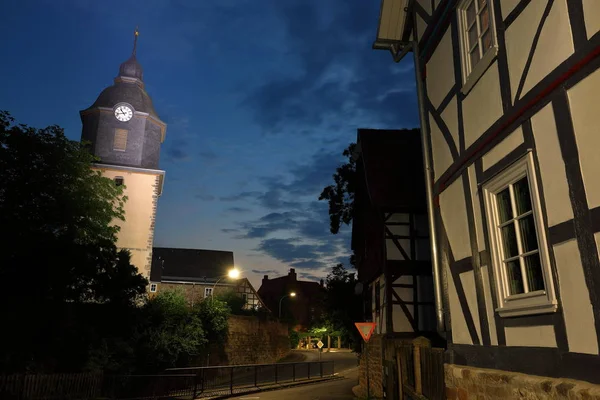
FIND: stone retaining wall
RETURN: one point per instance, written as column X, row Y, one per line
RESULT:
column 375, row 368
column 486, row 384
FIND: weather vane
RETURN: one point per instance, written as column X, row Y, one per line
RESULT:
column 135, row 34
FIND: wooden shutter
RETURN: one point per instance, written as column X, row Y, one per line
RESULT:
column 120, row 142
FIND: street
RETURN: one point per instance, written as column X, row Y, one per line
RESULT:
column 345, row 363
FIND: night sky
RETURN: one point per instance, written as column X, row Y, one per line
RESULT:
column 260, row 96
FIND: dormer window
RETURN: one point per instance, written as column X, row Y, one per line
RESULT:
column 119, row 181
column 120, row 140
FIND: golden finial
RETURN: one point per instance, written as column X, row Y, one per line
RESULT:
column 136, row 33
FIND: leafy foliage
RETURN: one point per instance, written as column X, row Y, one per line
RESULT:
column 344, row 306
column 52, row 202
column 170, row 331
column 213, row 313
column 340, row 195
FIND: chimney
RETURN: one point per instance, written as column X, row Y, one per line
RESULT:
column 265, row 279
column 321, row 282
column 292, row 274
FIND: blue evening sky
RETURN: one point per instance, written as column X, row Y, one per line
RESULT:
column 260, row 96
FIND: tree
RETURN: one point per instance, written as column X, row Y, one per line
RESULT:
column 59, row 251
column 170, row 331
column 344, row 306
column 60, row 215
column 340, row 195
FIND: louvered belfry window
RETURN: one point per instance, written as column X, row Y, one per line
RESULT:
column 120, row 141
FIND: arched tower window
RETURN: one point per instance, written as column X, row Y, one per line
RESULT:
column 120, row 141
column 119, row 180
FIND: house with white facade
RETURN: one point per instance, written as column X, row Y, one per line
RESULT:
column 509, row 96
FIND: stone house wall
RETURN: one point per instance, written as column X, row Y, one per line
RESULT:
column 487, row 384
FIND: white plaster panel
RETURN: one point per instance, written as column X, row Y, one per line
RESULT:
column 585, row 108
column 460, row 332
column 530, row 336
column 489, row 305
column 393, row 253
column 552, row 167
column 554, row 46
column 399, row 319
column 450, row 117
column 468, row 281
column 421, row 26
column 442, row 159
column 508, row 6
column 508, row 144
column 400, row 230
column 426, row 4
column 398, row 217
column 519, row 40
column 440, row 70
column 404, row 279
column 476, row 208
column 482, row 106
column 591, row 14
column 405, row 294
column 579, row 318
column 454, row 216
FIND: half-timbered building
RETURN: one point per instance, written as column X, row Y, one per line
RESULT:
column 390, row 237
column 508, row 98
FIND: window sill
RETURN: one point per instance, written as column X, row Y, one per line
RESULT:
column 518, row 310
column 479, row 70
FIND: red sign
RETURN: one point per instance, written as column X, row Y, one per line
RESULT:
column 365, row 329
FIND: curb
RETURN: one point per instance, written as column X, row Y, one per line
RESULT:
column 277, row 387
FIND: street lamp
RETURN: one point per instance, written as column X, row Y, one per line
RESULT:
column 292, row 294
column 233, row 273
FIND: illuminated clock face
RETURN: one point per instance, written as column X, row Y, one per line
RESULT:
column 123, row 113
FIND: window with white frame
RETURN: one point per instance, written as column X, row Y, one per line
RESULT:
column 208, row 291
column 153, row 287
column 477, row 37
column 518, row 243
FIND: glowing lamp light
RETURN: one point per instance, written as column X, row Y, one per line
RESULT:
column 293, row 294
column 233, row 273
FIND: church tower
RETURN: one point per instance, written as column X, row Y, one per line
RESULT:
column 126, row 135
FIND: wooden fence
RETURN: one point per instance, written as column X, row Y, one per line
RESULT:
column 420, row 371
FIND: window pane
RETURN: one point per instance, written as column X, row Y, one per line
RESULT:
column 533, row 269
column 473, row 35
column 474, row 57
column 522, row 198
column 504, row 207
column 528, row 234
column 471, row 13
column 484, row 19
column 515, row 280
column 509, row 241
column 482, row 3
column 486, row 40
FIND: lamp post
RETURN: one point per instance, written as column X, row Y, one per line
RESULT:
column 233, row 273
column 292, row 294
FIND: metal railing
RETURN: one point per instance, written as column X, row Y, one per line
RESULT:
column 169, row 386
column 231, row 379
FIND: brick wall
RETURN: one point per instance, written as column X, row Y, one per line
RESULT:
column 255, row 341
column 375, row 368
column 487, row 384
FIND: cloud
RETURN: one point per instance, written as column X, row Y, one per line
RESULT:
column 311, row 264
column 239, row 210
column 336, row 76
column 204, row 197
column 309, row 276
column 229, row 230
column 266, row 272
column 241, row 196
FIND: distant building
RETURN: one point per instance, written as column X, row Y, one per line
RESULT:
column 199, row 274
column 304, row 308
column 125, row 133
